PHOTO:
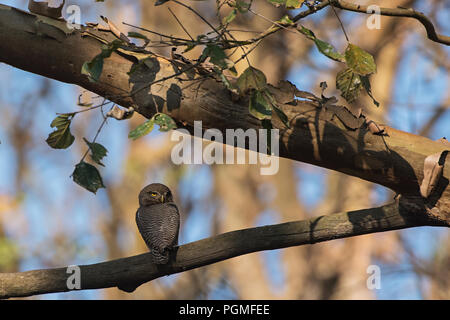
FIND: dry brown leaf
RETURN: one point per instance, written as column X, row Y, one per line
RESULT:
column 432, row 171
column 119, row 34
column 85, row 99
column 374, row 127
column 120, row 114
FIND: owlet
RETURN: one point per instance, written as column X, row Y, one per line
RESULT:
column 158, row 221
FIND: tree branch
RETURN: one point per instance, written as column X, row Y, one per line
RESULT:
column 397, row 12
column 329, row 137
column 129, row 273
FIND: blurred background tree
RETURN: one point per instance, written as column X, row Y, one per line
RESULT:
column 48, row 221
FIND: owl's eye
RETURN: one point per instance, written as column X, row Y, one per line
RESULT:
column 154, row 194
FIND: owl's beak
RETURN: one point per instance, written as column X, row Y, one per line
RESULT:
column 162, row 199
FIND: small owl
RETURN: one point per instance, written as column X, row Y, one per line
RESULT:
column 158, row 221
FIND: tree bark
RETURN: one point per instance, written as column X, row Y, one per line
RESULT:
column 317, row 135
column 129, row 273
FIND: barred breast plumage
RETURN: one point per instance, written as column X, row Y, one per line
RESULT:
column 158, row 221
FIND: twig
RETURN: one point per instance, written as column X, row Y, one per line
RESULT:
column 179, row 22
column 248, row 52
column 198, row 15
column 340, row 22
column 311, row 10
column 271, row 21
column 397, row 12
column 90, row 108
column 96, row 135
column 157, row 33
column 438, row 112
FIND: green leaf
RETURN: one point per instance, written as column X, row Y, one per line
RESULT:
column 283, row 117
column 141, row 130
column 360, row 61
column 293, row 4
column 93, row 69
column 251, row 78
column 61, row 138
column 349, row 83
column 324, row 47
column 164, row 122
column 230, row 17
column 225, row 80
column 87, row 176
column 98, row 152
column 242, row 6
column 217, row 56
column 62, row 120
column 328, row 50
column 259, row 107
column 280, row 113
column 308, row 33
column 285, row 20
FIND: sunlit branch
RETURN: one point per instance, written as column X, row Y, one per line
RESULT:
column 129, row 273
column 396, row 12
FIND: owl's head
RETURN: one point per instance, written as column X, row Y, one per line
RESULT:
column 155, row 193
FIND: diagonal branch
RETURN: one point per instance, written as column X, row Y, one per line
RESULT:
column 330, row 137
column 129, row 273
column 397, row 12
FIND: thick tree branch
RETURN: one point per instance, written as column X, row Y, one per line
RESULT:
column 129, row 273
column 328, row 137
column 397, row 12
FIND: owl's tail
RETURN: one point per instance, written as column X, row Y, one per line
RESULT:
column 159, row 257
